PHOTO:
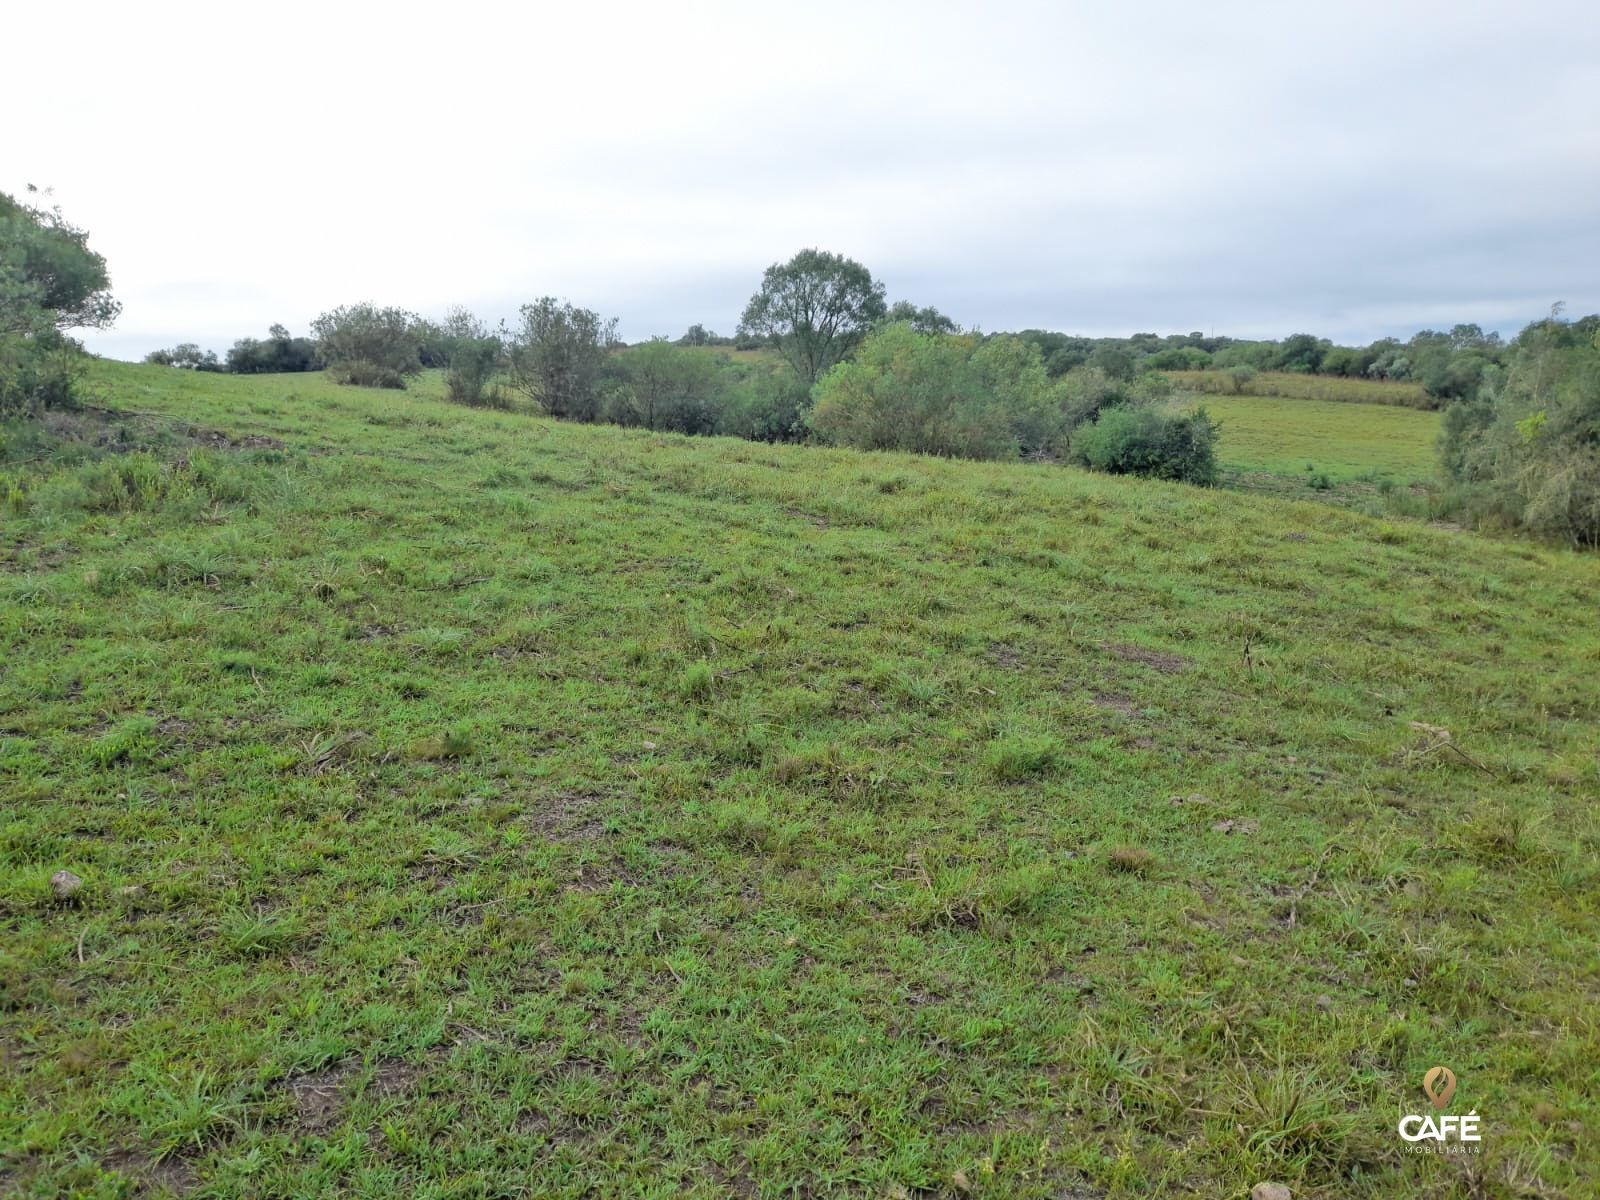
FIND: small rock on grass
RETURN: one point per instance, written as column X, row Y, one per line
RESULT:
column 65, row 885
column 1270, row 1191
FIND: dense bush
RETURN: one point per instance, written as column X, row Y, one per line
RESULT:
column 470, row 354
column 662, row 386
column 1527, row 450
column 471, row 369
column 277, row 353
column 558, row 354
column 1154, row 442
column 966, row 396
column 927, row 394
column 763, row 405
column 369, row 346
column 185, row 356
column 50, row 282
column 38, row 373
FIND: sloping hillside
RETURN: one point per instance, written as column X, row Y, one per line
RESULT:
column 471, row 805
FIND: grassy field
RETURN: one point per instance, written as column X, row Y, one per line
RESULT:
column 1343, row 441
column 469, row 805
column 1331, row 388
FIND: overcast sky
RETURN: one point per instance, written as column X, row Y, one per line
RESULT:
column 1346, row 168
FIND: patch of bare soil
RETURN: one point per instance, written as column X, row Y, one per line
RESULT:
column 117, row 432
column 393, row 1077
column 217, row 440
column 1007, row 657
column 171, row 1175
column 1112, row 702
column 1166, row 663
column 568, row 817
column 1241, row 827
column 319, row 1095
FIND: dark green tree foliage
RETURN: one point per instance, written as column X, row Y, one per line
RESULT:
column 186, row 356
column 815, row 309
column 699, row 335
column 922, row 320
column 1301, row 352
column 1114, row 361
column 666, row 387
column 50, row 282
column 1153, row 442
column 938, row 394
column 558, row 355
column 1526, row 449
column 279, row 352
column 764, row 405
column 367, row 345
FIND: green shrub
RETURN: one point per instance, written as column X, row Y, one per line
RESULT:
column 765, row 406
column 369, row 346
column 930, row 394
column 1158, row 443
column 473, row 361
column 1526, row 452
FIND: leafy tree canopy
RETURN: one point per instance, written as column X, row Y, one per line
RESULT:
column 814, row 308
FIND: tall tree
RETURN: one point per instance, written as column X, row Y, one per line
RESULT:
column 815, row 308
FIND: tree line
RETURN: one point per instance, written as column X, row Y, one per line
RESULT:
column 1522, row 425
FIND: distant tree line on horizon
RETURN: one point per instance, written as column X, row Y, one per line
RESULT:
column 1521, row 447
column 1522, row 426
column 1445, row 366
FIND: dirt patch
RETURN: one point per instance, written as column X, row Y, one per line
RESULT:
column 1112, row 702
column 1167, row 664
column 171, row 1174
column 319, row 1095
column 393, row 1077
column 217, row 440
column 568, row 817
column 796, row 514
column 1243, row 828
column 118, row 432
column 1006, row 656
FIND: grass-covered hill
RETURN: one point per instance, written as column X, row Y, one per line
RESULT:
column 472, row 805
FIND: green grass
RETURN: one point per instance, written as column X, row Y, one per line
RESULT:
column 1334, row 388
column 472, row 805
column 1284, row 436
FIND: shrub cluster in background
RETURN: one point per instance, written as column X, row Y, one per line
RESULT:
column 1162, row 444
column 279, row 352
column 992, row 398
column 1521, row 445
column 369, row 346
column 1443, row 366
column 1526, row 451
column 939, row 394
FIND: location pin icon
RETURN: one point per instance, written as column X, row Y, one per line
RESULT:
column 1431, row 1081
